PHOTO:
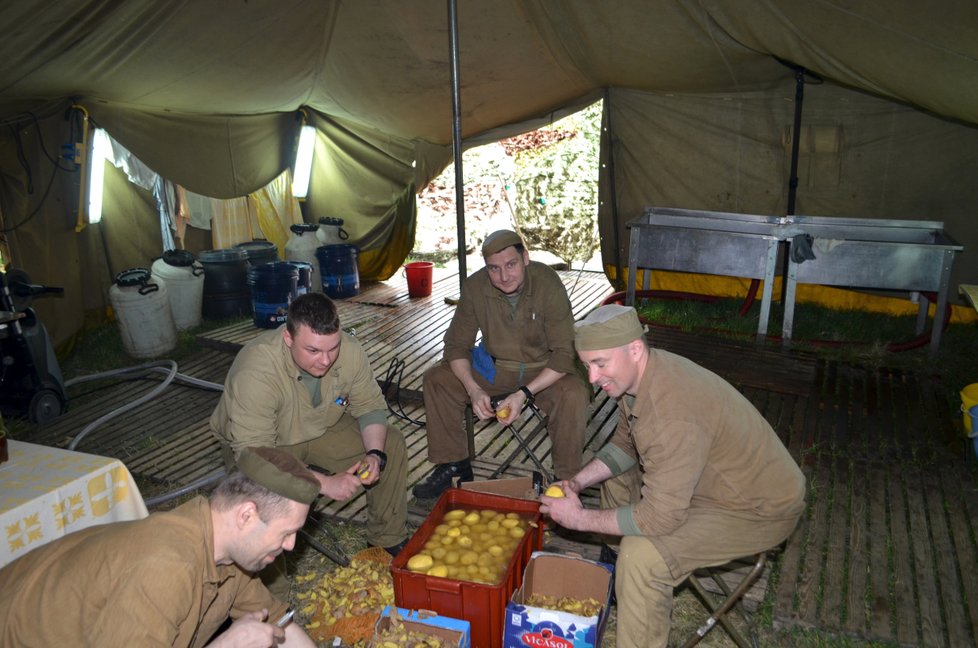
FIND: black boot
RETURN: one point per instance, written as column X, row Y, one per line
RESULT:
column 441, row 479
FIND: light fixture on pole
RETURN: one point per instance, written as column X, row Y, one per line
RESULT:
column 303, row 161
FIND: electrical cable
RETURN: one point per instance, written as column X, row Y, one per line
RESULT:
column 396, row 369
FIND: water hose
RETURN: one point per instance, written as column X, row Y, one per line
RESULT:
column 168, row 367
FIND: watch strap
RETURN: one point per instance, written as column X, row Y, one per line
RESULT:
column 380, row 454
column 527, row 392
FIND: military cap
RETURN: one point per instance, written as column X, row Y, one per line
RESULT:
column 608, row 327
column 279, row 472
column 499, row 241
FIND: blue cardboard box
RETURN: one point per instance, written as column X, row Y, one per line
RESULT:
column 558, row 575
column 455, row 631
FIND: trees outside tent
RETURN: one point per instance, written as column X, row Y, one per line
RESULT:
column 543, row 183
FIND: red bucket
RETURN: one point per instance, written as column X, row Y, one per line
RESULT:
column 419, row 278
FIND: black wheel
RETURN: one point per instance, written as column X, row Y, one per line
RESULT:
column 45, row 406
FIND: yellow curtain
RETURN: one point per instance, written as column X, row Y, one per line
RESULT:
column 264, row 214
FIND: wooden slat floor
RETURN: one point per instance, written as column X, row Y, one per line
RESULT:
column 885, row 551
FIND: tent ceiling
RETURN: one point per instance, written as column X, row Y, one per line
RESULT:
column 384, row 64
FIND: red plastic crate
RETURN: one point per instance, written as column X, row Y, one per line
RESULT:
column 483, row 606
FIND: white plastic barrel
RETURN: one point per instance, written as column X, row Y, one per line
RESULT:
column 183, row 276
column 331, row 231
column 142, row 309
column 302, row 247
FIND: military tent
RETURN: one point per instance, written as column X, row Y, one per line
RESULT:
column 699, row 98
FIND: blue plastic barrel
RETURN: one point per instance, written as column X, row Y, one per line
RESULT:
column 304, row 284
column 338, row 268
column 273, row 285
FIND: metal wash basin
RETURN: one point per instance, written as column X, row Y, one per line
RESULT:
column 732, row 245
column 915, row 256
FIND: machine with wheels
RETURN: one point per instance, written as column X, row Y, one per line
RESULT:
column 30, row 378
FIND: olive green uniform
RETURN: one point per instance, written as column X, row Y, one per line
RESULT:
column 535, row 333
column 267, row 403
column 152, row 582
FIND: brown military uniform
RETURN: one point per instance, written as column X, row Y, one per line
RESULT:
column 265, row 403
column 152, row 582
column 538, row 333
column 705, row 480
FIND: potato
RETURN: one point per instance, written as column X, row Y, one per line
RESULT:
column 554, row 490
column 420, row 563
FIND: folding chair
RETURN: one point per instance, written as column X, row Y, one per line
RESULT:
column 733, row 599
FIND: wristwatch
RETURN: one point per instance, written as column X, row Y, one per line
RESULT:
column 380, row 454
column 526, row 390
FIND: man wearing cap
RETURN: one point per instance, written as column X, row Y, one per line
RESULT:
column 307, row 387
column 172, row 579
column 693, row 476
column 527, row 352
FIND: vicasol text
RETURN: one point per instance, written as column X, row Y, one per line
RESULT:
column 545, row 639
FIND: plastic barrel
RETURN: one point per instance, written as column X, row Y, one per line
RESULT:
column 273, row 285
column 305, row 270
column 142, row 309
column 331, row 231
column 226, row 292
column 184, row 279
column 259, row 252
column 302, row 247
column 338, row 265
column 969, row 398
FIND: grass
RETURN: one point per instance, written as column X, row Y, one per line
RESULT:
column 868, row 339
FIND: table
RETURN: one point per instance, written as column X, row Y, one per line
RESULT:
column 47, row 493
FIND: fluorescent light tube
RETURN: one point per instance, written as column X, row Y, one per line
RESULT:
column 303, row 161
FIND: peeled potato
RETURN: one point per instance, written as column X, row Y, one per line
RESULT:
column 438, row 570
column 420, row 563
column 554, row 491
column 503, row 413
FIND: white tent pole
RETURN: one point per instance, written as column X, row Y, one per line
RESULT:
column 457, row 137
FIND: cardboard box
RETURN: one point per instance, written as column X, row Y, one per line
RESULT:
column 454, row 631
column 518, row 487
column 561, row 576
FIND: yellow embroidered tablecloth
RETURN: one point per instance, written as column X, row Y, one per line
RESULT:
column 46, row 493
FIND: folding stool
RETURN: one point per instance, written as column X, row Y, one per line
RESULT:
column 733, row 598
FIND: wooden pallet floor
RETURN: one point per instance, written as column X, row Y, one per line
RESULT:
column 886, row 550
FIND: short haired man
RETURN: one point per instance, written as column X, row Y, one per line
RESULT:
column 693, row 475
column 523, row 312
column 172, row 579
column 307, row 387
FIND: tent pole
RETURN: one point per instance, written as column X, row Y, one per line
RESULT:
column 608, row 137
column 457, row 138
column 795, row 137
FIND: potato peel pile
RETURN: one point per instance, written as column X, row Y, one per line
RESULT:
column 364, row 587
column 588, row 607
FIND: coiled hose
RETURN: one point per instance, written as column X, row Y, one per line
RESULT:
column 168, row 367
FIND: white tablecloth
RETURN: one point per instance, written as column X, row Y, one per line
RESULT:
column 46, row 493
